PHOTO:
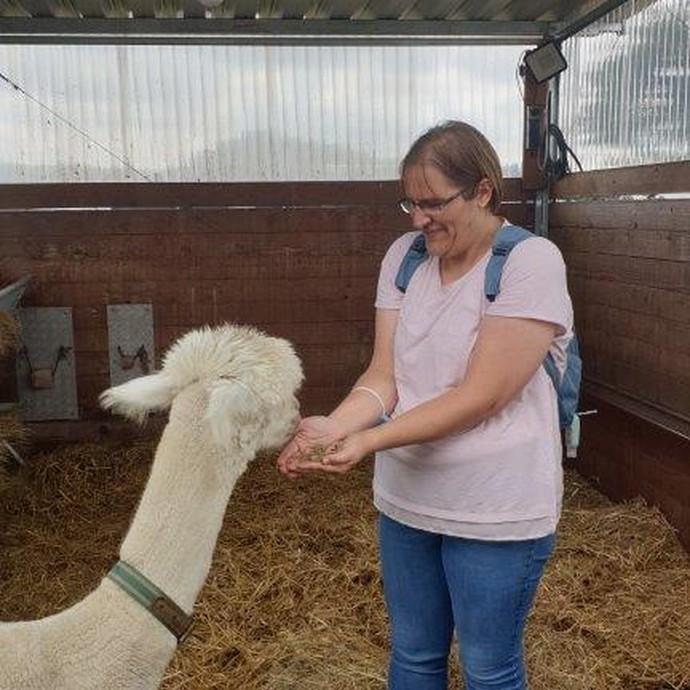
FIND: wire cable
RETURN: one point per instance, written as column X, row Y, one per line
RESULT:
column 73, row 127
column 555, row 168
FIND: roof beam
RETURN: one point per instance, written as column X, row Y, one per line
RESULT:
column 267, row 31
column 601, row 9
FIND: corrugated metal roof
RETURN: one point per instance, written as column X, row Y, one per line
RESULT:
column 305, row 22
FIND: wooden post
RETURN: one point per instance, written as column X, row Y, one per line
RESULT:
column 535, row 130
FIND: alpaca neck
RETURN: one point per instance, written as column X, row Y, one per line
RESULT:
column 173, row 534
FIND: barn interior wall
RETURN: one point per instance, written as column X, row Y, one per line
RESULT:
column 298, row 260
column 624, row 235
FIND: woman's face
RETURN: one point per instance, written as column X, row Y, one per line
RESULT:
column 451, row 228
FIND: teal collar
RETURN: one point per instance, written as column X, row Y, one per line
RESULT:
column 153, row 599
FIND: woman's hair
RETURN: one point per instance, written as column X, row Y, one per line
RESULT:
column 461, row 153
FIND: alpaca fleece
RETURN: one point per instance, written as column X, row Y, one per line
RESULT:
column 231, row 392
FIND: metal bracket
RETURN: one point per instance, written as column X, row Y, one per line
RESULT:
column 45, row 366
column 43, row 377
column 130, row 341
column 128, row 361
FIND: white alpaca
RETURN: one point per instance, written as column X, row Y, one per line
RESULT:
column 232, row 391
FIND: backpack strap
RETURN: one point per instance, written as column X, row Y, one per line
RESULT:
column 415, row 255
column 567, row 385
column 504, row 240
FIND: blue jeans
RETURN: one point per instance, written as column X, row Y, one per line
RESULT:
column 483, row 589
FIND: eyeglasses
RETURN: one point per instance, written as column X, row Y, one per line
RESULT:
column 429, row 207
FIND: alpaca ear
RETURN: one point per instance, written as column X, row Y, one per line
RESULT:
column 139, row 396
column 235, row 415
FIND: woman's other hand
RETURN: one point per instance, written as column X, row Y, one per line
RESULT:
column 314, row 436
column 344, row 455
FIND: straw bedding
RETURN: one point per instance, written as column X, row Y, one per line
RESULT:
column 9, row 333
column 12, row 432
column 293, row 600
column 14, row 438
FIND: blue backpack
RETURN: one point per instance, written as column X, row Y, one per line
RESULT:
column 567, row 384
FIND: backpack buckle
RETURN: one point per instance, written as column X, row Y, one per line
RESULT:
column 501, row 250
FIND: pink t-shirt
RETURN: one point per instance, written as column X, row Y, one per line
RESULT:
column 502, row 479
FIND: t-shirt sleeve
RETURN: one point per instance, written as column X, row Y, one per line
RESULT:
column 387, row 295
column 534, row 285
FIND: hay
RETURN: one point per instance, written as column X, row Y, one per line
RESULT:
column 613, row 611
column 293, row 599
column 14, row 441
column 11, row 428
column 9, row 333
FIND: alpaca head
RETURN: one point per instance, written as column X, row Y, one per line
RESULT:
column 251, row 379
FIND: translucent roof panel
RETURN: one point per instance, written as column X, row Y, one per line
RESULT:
column 625, row 96
column 80, row 113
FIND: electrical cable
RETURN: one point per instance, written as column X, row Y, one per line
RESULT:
column 519, row 73
column 72, row 126
column 555, row 168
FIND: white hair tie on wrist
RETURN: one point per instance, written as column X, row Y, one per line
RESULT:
column 373, row 393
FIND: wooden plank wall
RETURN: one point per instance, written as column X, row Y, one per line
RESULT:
column 625, row 235
column 297, row 260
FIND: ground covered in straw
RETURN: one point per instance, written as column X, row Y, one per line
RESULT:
column 293, row 600
column 9, row 333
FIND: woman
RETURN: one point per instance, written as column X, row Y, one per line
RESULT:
column 467, row 478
